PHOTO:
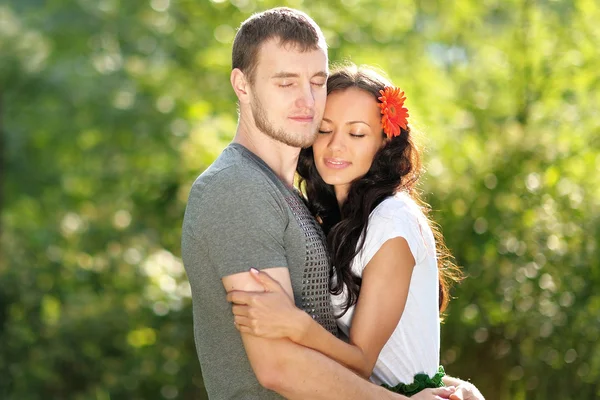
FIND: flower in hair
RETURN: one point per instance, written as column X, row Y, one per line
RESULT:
column 394, row 114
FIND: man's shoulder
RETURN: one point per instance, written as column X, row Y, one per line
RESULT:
column 235, row 190
column 233, row 171
column 238, row 184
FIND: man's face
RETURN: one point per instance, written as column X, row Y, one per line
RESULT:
column 289, row 91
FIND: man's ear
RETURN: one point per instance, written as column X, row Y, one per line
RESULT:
column 240, row 85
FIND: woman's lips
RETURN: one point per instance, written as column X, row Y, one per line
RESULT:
column 336, row 163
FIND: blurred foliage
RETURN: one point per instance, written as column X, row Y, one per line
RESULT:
column 110, row 109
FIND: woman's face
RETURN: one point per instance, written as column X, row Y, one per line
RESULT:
column 348, row 138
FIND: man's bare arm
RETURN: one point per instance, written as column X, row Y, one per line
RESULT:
column 294, row 371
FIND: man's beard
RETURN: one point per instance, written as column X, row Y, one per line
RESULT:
column 289, row 138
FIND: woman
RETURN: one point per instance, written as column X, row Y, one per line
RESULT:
column 391, row 269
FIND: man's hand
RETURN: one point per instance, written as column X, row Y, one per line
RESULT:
column 440, row 393
column 466, row 391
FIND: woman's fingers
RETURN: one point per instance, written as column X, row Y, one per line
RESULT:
column 270, row 284
column 240, row 310
column 239, row 297
column 240, row 320
column 247, row 325
column 246, row 298
column 244, row 329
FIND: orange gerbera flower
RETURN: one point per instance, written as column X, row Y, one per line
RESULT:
column 394, row 114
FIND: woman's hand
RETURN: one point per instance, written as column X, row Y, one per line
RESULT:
column 434, row 394
column 270, row 314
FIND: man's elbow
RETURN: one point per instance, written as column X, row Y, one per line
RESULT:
column 272, row 375
column 269, row 380
column 274, row 362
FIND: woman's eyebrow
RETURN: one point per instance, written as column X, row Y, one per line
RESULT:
column 357, row 122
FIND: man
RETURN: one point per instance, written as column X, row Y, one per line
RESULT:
column 243, row 212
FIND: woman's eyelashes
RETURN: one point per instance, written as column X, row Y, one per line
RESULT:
column 352, row 134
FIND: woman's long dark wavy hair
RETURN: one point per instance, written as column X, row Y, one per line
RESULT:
column 396, row 167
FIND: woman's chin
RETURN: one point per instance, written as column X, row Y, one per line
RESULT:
column 334, row 179
column 336, row 182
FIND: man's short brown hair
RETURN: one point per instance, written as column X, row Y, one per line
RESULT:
column 287, row 25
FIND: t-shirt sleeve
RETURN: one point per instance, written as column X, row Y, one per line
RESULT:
column 241, row 223
column 389, row 223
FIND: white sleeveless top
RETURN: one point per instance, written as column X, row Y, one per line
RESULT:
column 414, row 346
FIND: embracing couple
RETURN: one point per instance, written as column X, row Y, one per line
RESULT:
column 336, row 295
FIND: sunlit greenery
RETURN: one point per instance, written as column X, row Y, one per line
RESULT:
column 110, row 109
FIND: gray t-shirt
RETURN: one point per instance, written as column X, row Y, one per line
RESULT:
column 241, row 215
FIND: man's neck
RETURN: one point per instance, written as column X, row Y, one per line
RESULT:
column 281, row 158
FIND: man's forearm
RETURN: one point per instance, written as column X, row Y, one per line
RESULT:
column 302, row 373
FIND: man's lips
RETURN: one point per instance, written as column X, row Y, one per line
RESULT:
column 303, row 118
column 336, row 163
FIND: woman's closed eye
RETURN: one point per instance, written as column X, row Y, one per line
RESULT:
column 324, row 131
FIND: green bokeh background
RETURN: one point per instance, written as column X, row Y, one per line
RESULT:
column 109, row 109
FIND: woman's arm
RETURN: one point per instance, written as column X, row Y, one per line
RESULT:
column 272, row 314
column 383, row 295
column 380, row 305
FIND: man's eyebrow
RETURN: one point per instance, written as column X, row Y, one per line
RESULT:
column 283, row 74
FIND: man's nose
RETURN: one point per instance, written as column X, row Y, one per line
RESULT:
column 306, row 97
